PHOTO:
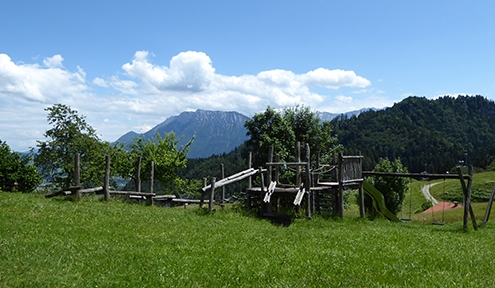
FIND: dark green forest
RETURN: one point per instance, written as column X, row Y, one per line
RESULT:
column 435, row 135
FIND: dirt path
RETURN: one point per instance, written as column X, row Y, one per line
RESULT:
column 426, row 192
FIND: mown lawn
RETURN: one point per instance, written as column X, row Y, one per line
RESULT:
column 58, row 243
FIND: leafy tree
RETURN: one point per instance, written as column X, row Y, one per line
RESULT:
column 393, row 188
column 164, row 154
column 267, row 129
column 69, row 135
column 16, row 171
column 284, row 129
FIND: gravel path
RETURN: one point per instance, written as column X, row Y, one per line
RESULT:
column 426, row 192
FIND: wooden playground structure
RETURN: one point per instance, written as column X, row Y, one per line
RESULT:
column 318, row 188
column 321, row 188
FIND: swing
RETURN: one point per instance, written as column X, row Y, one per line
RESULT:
column 443, row 211
column 410, row 206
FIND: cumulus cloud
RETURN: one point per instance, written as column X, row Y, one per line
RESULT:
column 188, row 71
column 334, row 79
column 191, row 81
column 54, row 62
column 34, row 83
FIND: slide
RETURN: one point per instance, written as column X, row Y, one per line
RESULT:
column 380, row 201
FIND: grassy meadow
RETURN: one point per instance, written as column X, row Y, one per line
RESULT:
column 60, row 243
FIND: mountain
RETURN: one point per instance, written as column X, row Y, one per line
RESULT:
column 214, row 132
column 326, row 116
column 432, row 135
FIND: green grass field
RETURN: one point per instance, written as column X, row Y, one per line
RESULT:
column 59, row 243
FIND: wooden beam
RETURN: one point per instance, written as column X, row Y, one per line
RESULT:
column 91, row 190
column 77, row 176
column 418, row 176
column 114, row 192
column 468, row 209
column 106, row 184
column 488, row 208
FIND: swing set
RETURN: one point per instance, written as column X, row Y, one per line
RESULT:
column 468, row 210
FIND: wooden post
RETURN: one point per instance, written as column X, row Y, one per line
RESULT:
column 298, row 172
column 361, row 194
column 202, row 199
column 488, row 208
column 269, row 178
column 277, row 170
column 307, row 183
column 250, row 164
column 106, row 185
column 467, row 198
column 470, row 186
column 262, row 187
column 212, row 193
column 298, row 168
column 270, row 160
column 276, row 198
column 77, row 176
column 138, row 175
column 341, row 187
column 152, row 179
column 223, row 187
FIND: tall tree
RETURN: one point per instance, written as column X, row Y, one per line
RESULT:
column 283, row 129
column 267, row 129
column 70, row 134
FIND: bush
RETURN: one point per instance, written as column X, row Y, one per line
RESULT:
column 16, row 172
column 426, row 205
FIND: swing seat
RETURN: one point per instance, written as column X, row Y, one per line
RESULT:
column 438, row 223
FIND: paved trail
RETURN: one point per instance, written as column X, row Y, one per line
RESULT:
column 426, row 192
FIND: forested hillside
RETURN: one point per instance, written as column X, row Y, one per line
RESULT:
column 432, row 134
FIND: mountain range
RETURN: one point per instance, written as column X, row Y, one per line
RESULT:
column 214, row 132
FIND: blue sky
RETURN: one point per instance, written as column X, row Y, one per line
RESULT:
column 129, row 65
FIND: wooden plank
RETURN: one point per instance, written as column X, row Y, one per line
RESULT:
column 91, row 190
column 191, row 201
column 234, row 178
column 299, row 196
column 270, row 191
column 165, row 197
column 286, row 164
column 114, row 192
column 62, row 192
column 414, row 175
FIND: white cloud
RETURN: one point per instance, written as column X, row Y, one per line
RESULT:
column 54, row 62
column 188, row 71
column 31, row 82
column 334, row 79
column 343, row 98
column 190, row 82
column 100, row 82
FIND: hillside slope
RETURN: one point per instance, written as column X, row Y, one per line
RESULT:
column 425, row 134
